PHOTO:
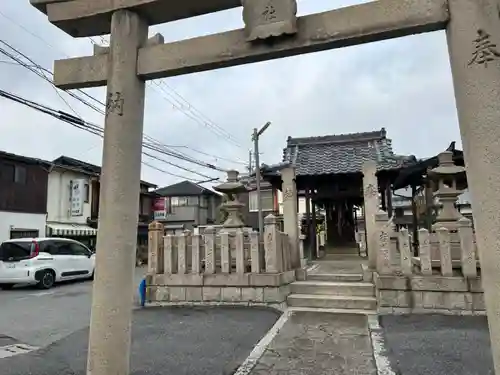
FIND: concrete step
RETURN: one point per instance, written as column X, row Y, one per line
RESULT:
column 332, row 302
column 341, row 277
column 333, row 288
column 333, row 311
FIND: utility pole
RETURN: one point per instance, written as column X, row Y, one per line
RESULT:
column 255, row 138
column 250, row 162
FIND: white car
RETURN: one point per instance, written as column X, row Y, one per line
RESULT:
column 44, row 261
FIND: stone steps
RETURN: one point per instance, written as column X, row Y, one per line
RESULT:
column 333, row 311
column 311, row 287
column 333, row 277
column 332, row 301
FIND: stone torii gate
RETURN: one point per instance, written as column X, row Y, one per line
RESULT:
column 271, row 31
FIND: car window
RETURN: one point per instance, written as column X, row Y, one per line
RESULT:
column 77, row 249
column 12, row 251
column 63, row 248
column 49, row 247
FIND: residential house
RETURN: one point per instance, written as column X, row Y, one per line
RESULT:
column 69, row 203
column 23, row 196
column 145, row 214
column 186, row 205
column 270, row 198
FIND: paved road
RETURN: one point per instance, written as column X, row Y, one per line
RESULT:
column 438, row 345
column 39, row 318
column 319, row 344
column 180, row 341
column 204, row 341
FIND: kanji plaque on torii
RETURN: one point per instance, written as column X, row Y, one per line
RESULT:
column 131, row 59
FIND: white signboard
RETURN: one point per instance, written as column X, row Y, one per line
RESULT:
column 76, row 197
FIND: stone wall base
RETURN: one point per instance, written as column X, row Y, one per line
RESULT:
column 216, row 294
column 279, row 307
column 429, row 294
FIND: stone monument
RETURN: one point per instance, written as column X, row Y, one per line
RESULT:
column 231, row 188
column 446, row 175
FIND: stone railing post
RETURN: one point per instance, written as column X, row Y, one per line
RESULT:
column 170, row 255
column 182, row 251
column 240, row 251
column 303, row 260
column 272, row 250
column 467, row 248
column 255, row 252
column 443, row 235
column 406, row 253
column 424, row 251
column 155, row 247
column 383, row 250
column 196, row 253
column 225, row 252
column 209, row 239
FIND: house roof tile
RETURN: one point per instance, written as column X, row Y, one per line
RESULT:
column 87, row 167
column 342, row 153
column 184, row 188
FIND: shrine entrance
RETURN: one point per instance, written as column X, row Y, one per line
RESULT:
column 272, row 30
column 329, row 177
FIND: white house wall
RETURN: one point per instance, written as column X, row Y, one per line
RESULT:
column 14, row 220
column 58, row 199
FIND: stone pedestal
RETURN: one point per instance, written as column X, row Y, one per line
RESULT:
column 474, row 46
column 448, row 216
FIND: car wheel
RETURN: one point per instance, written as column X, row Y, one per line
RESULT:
column 46, row 280
column 92, row 275
column 6, row 286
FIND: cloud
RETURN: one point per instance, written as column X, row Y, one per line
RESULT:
column 403, row 85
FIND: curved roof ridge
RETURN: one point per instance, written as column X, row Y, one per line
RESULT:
column 339, row 138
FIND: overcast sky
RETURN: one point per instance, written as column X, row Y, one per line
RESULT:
column 403, row 85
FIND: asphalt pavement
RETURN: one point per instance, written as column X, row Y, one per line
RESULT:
column 438, row 345
column 40, row 317
column 48, row 333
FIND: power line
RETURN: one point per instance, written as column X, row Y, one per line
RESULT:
column 33, row 68
column 86, row 126
column 153, row 145
column 193, row 113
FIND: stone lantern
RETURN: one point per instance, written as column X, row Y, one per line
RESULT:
column 446, row 174
column 233, row 206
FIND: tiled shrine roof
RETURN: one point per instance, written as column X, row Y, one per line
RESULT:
column 343, row 153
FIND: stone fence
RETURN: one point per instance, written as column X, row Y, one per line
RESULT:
column 230, row 265
column 444, row 276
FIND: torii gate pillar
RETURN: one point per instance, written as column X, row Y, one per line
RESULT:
column 112, row 297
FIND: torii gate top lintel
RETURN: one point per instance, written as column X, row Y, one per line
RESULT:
column 264, row 19
column 83, row 18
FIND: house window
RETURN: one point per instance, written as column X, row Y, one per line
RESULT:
column 192, row 201
column 86, row 193
column 203, row 202
column 267, row 200
column 20, row 175
column 7, row 172
column 179, row 201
